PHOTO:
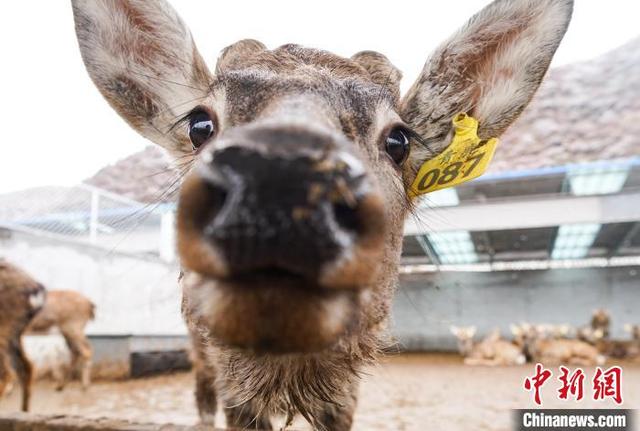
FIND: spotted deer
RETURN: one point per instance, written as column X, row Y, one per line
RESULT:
column 290, row 218
column 493, row 350
column 69, row 312
column 21, row 297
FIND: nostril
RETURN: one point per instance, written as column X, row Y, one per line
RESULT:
column 347, row 216
column 207, row 203
column 217, row 197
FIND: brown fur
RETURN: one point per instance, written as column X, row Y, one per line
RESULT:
column 600, row 320
column 69, row 311
column 20, row 298
column 318, row 337
column 618, row 349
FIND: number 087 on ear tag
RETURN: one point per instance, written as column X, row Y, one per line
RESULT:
column 466, row 158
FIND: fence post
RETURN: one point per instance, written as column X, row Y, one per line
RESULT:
column 93, row 221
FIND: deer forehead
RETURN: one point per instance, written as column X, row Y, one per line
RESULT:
column 309, row 83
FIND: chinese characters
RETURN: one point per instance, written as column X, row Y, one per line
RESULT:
column 605, row 383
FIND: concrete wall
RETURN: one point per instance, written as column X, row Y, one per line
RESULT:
column 133, row 294
column 427, row 304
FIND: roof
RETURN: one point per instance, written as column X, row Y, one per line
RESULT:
column 583, row 112
column 144, row 176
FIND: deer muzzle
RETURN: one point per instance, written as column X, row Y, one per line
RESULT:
column 285, row 229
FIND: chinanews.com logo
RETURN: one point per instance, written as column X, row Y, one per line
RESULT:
column 575, row 385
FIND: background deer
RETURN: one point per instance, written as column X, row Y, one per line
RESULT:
column 20, row 299
column 290, row 218
column 601, row 321
column 633, row 330
column 597, row 334
column 69, row 312
column 493, row 350
column 539, row 345
column 618, row 349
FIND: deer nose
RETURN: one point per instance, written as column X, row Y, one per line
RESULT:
column 298, row 214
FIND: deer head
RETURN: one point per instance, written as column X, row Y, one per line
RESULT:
column 290, row 218
column 464, row 336
column 600, row 319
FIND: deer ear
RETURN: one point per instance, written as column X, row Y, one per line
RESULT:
column 233, row 55
column 494, row 335
column 490, row 69
column 454, row 330
column 515, row 330
column 143, row 60
column 381, row 71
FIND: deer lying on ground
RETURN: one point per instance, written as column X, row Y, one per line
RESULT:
column 633, row 330
column 561, row 332
column 69, row 312
column 539, row 346
column 619, row 349
column 597, row 334
column 290, row 221
column 21, row 297
column 493, row 350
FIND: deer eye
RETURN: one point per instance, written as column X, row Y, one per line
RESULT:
column 397, row 145
column 200, row 128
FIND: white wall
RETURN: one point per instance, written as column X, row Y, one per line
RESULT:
column 133, row 295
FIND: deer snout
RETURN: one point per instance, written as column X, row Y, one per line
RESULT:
column 251, row 212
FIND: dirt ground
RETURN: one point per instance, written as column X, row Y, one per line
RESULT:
column 404, row 393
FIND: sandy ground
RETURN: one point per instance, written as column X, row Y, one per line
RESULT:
column 406, row 392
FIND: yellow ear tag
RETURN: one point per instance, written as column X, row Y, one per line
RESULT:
column 466, row 158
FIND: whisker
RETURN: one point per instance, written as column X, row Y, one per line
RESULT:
column 151, row 207
column 168, row 81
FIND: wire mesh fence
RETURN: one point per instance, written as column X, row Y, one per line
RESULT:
column 93, row 216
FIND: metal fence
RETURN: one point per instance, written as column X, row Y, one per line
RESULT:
column 93, row 216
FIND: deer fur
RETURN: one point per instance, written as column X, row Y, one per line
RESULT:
column 493, row 350
column 69, row 312
column 21, row 297
column 143, row 60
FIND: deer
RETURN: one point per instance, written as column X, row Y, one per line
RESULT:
column 296, row 180
column 493, row 350
column 619, row 349
column 540, row 346
column 600, row 320
column 68, row 311
column 633, row 330
column 21, row 297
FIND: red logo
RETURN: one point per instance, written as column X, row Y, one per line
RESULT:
column 605, row 383
column 608, row 384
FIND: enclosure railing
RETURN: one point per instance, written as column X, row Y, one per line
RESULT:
column 89, row 215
